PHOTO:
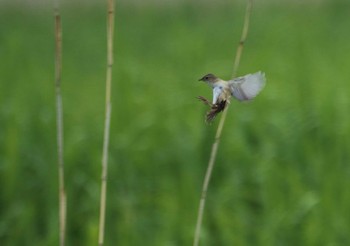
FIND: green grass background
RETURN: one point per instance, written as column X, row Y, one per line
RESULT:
column 282, row 175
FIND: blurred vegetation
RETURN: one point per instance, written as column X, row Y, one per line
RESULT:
column 282, row 175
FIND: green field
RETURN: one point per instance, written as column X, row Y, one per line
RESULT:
column 282, row 177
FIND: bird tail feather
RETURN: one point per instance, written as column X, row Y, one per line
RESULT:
column 215, row 110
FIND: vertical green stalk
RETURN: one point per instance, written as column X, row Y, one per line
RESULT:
column 59, row 119
column 110, row 29
column 215, row 145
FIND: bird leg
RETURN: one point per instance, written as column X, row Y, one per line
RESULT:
column 215, row 109
column 205, row 101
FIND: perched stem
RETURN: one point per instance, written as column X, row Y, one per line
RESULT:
column 215, row 145
column 110, row 29
column 59, row 119
column 243, row 37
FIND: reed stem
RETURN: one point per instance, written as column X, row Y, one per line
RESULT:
column 110, row 29
column 218, row 134
column 59, row 124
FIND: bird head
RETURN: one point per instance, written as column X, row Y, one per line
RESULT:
column 209, row 78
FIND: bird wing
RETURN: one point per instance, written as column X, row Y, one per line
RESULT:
column 216, row 93
column 247, row 87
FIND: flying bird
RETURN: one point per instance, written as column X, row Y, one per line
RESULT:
column 243, row 88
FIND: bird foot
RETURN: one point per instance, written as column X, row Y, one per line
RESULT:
column 205, row 101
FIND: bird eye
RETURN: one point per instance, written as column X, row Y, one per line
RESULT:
column 206, row 77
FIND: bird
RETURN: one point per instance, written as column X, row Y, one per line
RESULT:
column 243, row 88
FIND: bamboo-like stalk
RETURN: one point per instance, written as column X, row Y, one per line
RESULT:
column 215, row 145
column 110, row 29
column 59, row 119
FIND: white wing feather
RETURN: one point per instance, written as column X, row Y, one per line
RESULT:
column 216, row 93
column 247, row 87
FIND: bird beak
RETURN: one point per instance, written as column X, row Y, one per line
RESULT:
column 201, row 79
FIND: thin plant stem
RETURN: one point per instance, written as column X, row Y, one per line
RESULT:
column 59, row 119
column 218, row 134
column 110, row 29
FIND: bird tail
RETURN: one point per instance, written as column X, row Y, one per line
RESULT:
column 215, row 110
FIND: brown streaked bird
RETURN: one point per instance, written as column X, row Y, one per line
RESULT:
column 243, row 88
